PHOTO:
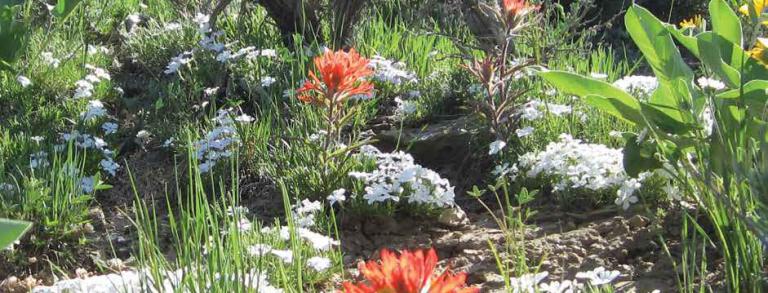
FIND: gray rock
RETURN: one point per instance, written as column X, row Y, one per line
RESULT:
column 454, row 218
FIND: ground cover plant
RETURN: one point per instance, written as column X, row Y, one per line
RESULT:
column 383, row 146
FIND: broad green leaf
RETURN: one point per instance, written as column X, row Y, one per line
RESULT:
column 758, row 129
column 616, row 108
column 656, row 43
column 12, row 35
column 639, row 156
column 671, row 98
column 717, row 153
column 64, row 7
column 598, row 93
column 725, row 22
column 661, row 118
column 709, row 47
column 12, row 230
column 689, row 42
column 754, row 95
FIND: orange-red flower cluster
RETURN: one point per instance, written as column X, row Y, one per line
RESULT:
column 341, row 76
column 410, row 272
column 517, row 8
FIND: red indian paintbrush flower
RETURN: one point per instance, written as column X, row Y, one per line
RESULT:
column 410, row 272
column 341, row 76
column 517, row 8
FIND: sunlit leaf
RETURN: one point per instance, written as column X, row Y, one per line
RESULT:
column 12, row 230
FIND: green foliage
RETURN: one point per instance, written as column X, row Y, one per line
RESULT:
column 11, row 231
column 674, row 132
column 13, row 35
column 206, row 233
column 64, row 7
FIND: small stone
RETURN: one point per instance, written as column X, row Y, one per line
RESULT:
column 638, row 221
column 454, row 218
column 492, row 278
column 88, row 228
column 96, row 214
column 115, row 264
column 620, row 229
column 81, row 273
column 597, row 247
column 9, row 284
column 30, row 282
column 574, row 258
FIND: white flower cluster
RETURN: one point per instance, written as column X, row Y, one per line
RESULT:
column 218, row 143
column 210, row 41
column 404, row 108
column 316, row 240
column 304, row 213
column 38, row 160
column 93, row 50
column 496, row 146
column 95, row 109
column 398, row 176
column 143, row 281
column 337, row 196
column 6, row 187
column 88, row 184
column 86, row 85
column 109, row 127
column 638, row 85
column 87, row 141
column 535, row 109
column 23, row 81
column 390, row 71
column 50, row 60
column 177, row 62
column 710, row 84
column 533, row 282
column 573, row 164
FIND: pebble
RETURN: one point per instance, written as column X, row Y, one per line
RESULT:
column 638, row 221
column 454, row 217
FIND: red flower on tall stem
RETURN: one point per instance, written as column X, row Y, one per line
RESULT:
column 341, row 76
column 517, row 8
column 410, row 272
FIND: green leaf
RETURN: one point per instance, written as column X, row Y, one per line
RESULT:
column 709, row 47
column 615, row 108
column 64, row 7
column 688, row 42
column 12, row 35
column 598, row 93
column 753, row 94
column 661, row 118
column 725, row 22
column 639, row 157
column 758, row 129
column 673, row 99
column 12, row 230
column 656, row 43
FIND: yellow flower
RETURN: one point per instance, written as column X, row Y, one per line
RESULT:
column 692, row 23
column 759, row 52
column 759, row 8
